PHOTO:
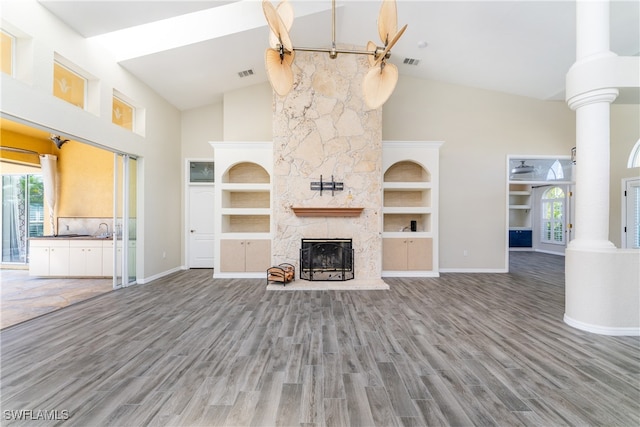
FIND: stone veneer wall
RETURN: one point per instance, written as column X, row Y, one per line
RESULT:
column 323, row 127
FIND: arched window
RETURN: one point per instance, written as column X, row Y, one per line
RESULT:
column 634, row 158
column 555, row 172
column 552, row 217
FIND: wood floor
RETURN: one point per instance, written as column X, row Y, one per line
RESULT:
column 187, row 350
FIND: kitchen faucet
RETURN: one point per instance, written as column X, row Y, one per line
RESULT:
column 105, row 226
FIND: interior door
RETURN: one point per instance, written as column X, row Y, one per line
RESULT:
column 201, row 242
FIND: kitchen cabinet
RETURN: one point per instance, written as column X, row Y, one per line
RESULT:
column 253, row 255
column 49, row 257
column 85, row 258
column 62, row 257
column 407, row 254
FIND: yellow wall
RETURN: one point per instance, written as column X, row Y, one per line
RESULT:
column 15, row 140
column 86, row 181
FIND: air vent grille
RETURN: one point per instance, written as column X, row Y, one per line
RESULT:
column 245, row 73
column 411, row 61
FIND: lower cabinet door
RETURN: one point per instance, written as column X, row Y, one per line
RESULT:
column 420, row 254
column 394, row 254
column 38, row 261
column 59, row 260
column 232, row 255
column 258, row 255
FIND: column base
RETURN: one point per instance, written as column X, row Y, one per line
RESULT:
column 601, row 289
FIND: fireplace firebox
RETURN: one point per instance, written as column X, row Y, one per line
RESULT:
column 326, row 259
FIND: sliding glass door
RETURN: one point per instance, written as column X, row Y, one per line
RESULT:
column 125, row 220
column 22, row 215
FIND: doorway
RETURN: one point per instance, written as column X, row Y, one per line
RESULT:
column 539, row 201
column 200, row 245
column 22, row 212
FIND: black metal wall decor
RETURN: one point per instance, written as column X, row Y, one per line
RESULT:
column 332, row 185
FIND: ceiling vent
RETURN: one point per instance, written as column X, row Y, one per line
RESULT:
column 411, row 61
column 245, row 73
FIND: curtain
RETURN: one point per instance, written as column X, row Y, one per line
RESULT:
column 48, row 164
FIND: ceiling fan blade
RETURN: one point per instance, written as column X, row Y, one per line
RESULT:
column 279, row 71
column 285, row 11
column 276, row 25
column 393, row 41
column 387, row 20
column 379, row 83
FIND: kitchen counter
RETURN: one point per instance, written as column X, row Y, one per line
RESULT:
column 71, row 237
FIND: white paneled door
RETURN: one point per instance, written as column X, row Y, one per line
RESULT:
column 201, row 242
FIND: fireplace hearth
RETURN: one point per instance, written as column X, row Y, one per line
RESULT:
column 326, row 259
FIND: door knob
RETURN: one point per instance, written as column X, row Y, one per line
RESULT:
column 192, row 231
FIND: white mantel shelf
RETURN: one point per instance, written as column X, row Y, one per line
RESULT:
column 326, row 211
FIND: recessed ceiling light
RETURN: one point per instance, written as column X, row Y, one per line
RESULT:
column 422, row 44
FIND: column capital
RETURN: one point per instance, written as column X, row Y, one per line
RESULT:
column 592, row 97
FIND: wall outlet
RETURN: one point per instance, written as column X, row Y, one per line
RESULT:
column 465, row 252
column 164, row 254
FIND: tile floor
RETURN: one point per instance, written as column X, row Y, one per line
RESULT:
column 23, row 297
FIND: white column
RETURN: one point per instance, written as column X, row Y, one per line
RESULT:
column 592, row 168
column 592, row 131
column 601, row 282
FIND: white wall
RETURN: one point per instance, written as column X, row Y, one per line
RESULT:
column 479, row 128
column 29, row 98
column 248, row 114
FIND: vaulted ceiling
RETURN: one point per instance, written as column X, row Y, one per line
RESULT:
column 194, row 51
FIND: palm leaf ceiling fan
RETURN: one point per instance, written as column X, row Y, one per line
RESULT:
column 379, row 82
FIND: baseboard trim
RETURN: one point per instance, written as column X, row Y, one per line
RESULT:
column 602, row 330
column 159, row 275
column 473, row 270
column 241, row 275
column 393, row 273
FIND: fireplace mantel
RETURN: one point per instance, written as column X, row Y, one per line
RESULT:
column 326, row 211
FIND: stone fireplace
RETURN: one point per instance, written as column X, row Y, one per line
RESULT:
column 323, row 128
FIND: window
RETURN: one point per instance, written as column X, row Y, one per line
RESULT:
column 200, row 172
column 552, row 207
column 69, row 86
column 7, row 43
column 122, row 113
column 555, row 173
column 22, row 215
column 634, row 158
column 632, row 213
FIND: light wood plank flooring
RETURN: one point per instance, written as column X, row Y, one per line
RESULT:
column 187, row 350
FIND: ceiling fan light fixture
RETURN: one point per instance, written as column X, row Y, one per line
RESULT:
column 378, row 83
column 522, row 168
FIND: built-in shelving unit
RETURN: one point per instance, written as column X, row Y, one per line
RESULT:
column 520, row 235
column 243, row 207
column 410, row 208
